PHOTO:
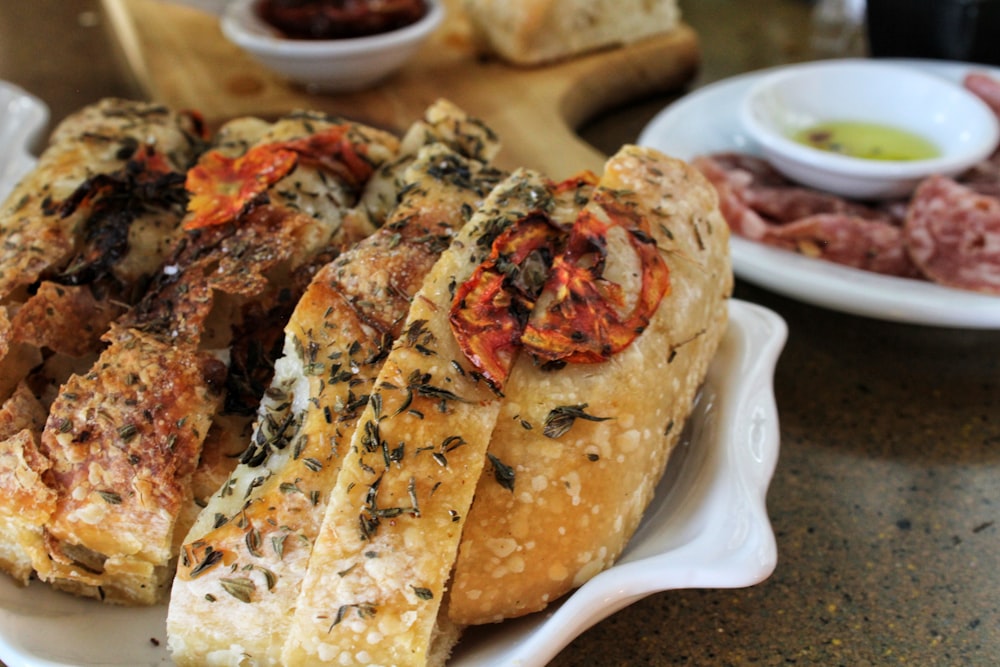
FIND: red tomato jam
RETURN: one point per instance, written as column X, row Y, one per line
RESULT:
column 339, row 19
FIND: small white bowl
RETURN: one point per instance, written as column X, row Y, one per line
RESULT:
column 329, row 65
column 960, row 124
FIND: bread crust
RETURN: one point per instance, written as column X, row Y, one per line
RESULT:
column 123, row 446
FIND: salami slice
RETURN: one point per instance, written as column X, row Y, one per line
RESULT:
column 985, row 87
column 953, row 234
column 872, row 245
column 984, row 177
column 732, row 184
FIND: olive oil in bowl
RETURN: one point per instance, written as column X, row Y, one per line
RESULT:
column 868, row 141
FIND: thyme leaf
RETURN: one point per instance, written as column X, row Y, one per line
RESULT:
column 365, row 610
column 110, row 497
column 423, row 593
column 211, row 558
column 503, row 473
column 241, row 588
column 560, row 419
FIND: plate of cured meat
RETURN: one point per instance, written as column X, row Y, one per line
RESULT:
column 901, row 260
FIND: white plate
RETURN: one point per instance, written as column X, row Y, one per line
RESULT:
column 707, row 527
column 707, row 121
column 22, row 119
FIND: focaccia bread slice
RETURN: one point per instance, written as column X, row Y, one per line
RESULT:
column 82, row 233
column 379, row 568
column 443, row 123
column 586, row 443
column 21, row 466
column 86, row 228
column 122, row 446
column 533, row 32
column 266, row 516
column 249, row 282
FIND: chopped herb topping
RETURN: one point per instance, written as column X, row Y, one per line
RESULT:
column 211, row 558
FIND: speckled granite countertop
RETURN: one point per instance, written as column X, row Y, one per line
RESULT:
column 886, row 498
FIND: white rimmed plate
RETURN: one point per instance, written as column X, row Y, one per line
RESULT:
column 23, row 117
column 707, row 121
column 956, row 122
column 707, row 527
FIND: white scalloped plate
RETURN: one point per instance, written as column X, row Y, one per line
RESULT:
column 23, row 117
column 707, row 527
column 707, row 121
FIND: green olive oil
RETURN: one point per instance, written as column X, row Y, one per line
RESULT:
column 869, row 141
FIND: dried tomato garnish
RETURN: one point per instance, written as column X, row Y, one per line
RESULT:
column 582, row 182
column 332, row 150
column 583, row 316
column 585, row 322
column 224, row 188
column 491, row 308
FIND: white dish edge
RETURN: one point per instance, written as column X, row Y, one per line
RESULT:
column 23, row 118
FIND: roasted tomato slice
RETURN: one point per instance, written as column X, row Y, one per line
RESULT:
column 582, row 185
column 333, row 150
column 585, row 316
column 223, row 188
column 491, row 308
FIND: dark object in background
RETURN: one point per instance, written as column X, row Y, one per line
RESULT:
column 967, row 30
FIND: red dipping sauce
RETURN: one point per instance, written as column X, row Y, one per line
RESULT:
column 339, row 19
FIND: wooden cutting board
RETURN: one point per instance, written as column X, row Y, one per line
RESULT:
column 179, row 56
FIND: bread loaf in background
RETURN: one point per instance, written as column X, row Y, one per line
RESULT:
column 534, row 32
